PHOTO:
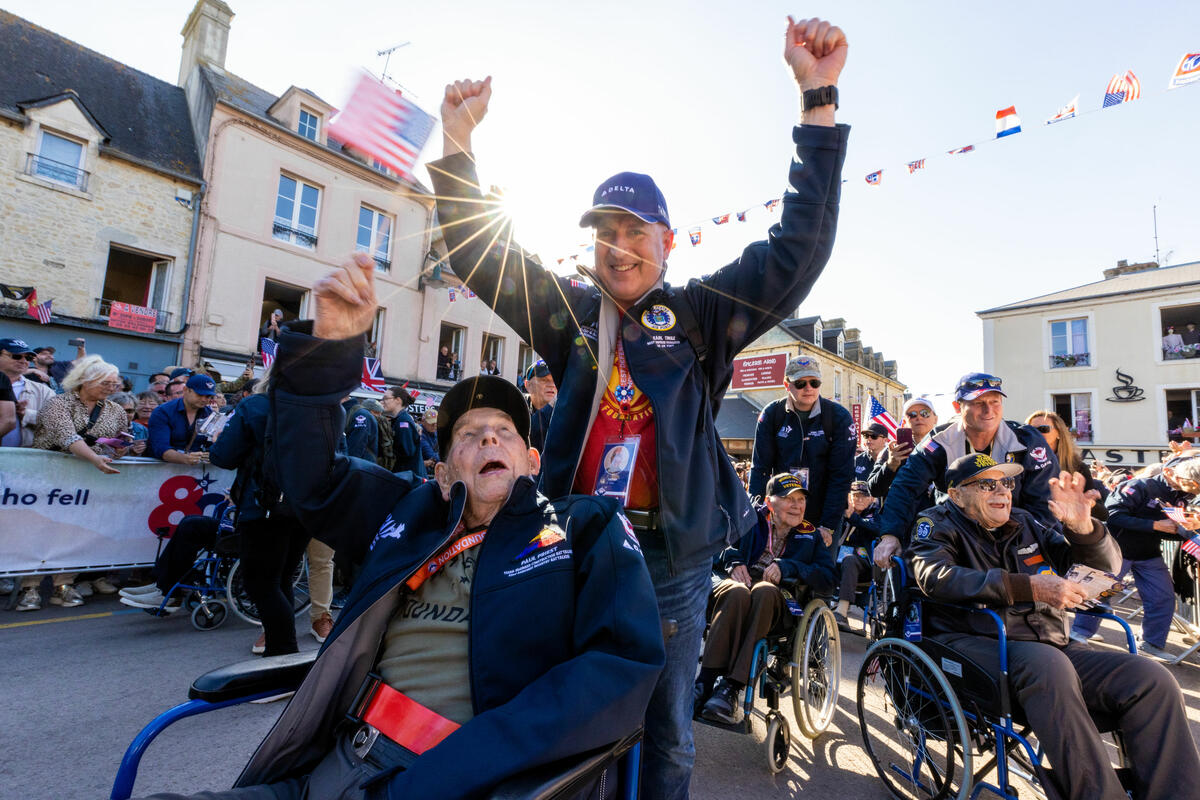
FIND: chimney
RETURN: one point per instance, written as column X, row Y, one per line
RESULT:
column 1123, row 267
column 851, row 334
column 205, row 37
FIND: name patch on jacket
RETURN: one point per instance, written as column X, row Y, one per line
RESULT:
column 544, row 549
column 388, row 530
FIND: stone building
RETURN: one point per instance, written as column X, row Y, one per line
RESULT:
column 98, row 181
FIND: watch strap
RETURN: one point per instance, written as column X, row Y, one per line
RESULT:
column 823, row 96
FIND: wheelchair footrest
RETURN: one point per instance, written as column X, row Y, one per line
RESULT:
column 255, row 676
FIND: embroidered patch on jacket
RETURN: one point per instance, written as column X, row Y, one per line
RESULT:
column 388, row 530
column 1034, row 559
column 658, row 318
column 631, row 541
column 547, row 537
column 924, row 527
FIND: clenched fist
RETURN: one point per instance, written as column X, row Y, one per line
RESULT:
column 816, row 52
column 346, row 299
column 464, row 106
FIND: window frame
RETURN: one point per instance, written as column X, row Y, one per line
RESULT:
column 80, row 182
column 316, row 126
column 1156, row 327
column 383, row 263
column 293, row 233
column 1068, row 360
column 1093, row 407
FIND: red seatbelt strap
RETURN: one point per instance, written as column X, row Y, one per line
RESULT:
column 402, row 719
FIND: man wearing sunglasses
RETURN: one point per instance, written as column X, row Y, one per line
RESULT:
column 8, row 399
column 874, row 441
column 809, row 436
column 28, row 395
column 980, row 427
column 978, row 549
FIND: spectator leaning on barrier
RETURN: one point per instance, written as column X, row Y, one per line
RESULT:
column 173, row 424
column 29, row 395
column 978, row 549
column 979, row 428
column 919, row 416
column 637, row 359
column 809, row 436
column 82, row 420
column 1137, row 518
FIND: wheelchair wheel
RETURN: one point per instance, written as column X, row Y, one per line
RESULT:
column 816, row 669
column 885, row 596
column 245, row 608
column 779, row 742
column 209, row 615
column 913, row 726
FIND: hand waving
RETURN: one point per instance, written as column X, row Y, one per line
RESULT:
column 346, row 299
column 463, row 107
column 1070, row 504
column 816, row 52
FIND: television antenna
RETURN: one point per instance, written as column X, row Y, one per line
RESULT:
column 387, row 54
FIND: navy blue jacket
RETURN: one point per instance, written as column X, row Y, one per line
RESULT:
column 539, row 423
column 429, row 445
column 1134, row 507
column 565, row 642
column 805, row 559
column 238, row 447
column 733, row 306
column 406, row 445
column 362, row 436
column 169, row 428
column 785, row 440
column 1014, row 443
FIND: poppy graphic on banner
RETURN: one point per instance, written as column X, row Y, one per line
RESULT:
column 875, row 177
column 694, row 235
column 721, row 220
column 1187, row 71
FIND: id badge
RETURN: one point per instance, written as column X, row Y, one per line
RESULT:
column 802, row 474
column 912, row 622
column 615, row 472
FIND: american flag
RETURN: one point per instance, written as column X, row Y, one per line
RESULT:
column 913, row 166
column 39, row 310
column 880, row 414
column 1122, row 89
column 1191, row 545
column 267, row 347
column 384, row 125
column 372, row 375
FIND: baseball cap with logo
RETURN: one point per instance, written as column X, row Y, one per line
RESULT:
column 480, row 391
column 633, row 192
column 966, row 467
column 802, row 367
column 537, row 368
column 860, row 487
column 784, row 484
column 16, row 347
column 202, row 385
column 974, row 384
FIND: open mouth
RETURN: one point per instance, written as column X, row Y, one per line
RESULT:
column 493, row 467
column 622, row 267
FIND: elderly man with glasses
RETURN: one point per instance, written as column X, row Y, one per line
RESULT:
column 980, row 427
column 811, row 437
column 978, row 549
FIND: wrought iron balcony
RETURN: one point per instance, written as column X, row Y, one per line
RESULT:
column 382, row 264
column 283, row 230
column 57, row 171
column 1070, row 360
column 104, row 306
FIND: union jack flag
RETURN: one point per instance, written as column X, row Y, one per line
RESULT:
column 1122, row 89
column 880, row 414
column 40, row 311
column 267, row 348
column 372, row 375
column 384, row 125
column 913, row 166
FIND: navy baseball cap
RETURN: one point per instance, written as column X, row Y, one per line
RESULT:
column 973, row 384
column 633, row 192
column 180, row 371
column 480, row 391
column 537, row 368
column 202, row 385
column 784, row 484
column 16, row 347
column 966, row 467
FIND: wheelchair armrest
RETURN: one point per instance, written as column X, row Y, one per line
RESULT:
column 258, row 675
column 566, row 777
column 1130, row 642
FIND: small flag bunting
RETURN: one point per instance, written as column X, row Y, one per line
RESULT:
column 1187, row 71
column 1007, row 122
column 1122, row 89
column 875, row 177
column 1066, row 112
column 913, row 166
column 721, row 220
column 694, row 235
column 960, row 150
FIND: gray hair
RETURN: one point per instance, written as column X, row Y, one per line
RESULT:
column 122, row 399
column 86, row 370
column 1187, row 468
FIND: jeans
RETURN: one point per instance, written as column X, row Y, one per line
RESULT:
column 669, row 749
column 1153, row 581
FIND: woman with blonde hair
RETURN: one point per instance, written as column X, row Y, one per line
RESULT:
column 1056, row 433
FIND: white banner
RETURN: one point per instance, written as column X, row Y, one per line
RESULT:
column 58, row 513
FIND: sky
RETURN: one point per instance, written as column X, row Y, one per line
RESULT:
column 696, row 94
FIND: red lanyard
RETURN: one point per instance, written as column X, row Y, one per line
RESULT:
column 434, row 564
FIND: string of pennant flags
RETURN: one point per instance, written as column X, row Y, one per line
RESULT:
column 1121, row 89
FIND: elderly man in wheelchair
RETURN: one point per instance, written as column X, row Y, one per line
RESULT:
column 977, row 549
column 491, row 632
column 782, row 556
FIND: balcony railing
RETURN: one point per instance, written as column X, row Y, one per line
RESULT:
column 382, row 264
column 56, row 171
column 283, row 230
column 1071, row 360
column 104, row 306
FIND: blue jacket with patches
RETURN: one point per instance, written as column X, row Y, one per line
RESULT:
column 574, row 329
column 786, row 440
column 805, row 558
column 1013, row 443
column 565, row 642
column 406, row 444
column 1134, row 507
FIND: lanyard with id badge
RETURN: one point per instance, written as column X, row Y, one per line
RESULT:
column 618, row 456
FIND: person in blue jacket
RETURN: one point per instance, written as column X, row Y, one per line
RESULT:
column 642, row 365
column 783, row 553
column 526, row 629
column 980, row 427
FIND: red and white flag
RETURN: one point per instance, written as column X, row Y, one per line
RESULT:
column 384, row 125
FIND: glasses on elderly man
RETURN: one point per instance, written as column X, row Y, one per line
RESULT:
column 801, row 383
column 989, row 485
column 923, row 413
column 25, row 356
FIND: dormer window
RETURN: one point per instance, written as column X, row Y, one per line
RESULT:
column 61, row 160
column 310, row 124
column 818, row 334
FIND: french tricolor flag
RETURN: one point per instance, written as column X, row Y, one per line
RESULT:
column 1007, row 122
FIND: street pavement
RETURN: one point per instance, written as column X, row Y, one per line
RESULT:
column 79, row 683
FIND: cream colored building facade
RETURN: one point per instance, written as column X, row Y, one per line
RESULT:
column 287, row 203
column 1096, row 354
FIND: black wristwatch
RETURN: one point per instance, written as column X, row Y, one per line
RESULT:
column 820, row 97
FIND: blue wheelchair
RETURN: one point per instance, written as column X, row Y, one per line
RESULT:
column 931, row 716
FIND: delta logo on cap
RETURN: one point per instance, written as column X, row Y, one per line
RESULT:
column 632, row 192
